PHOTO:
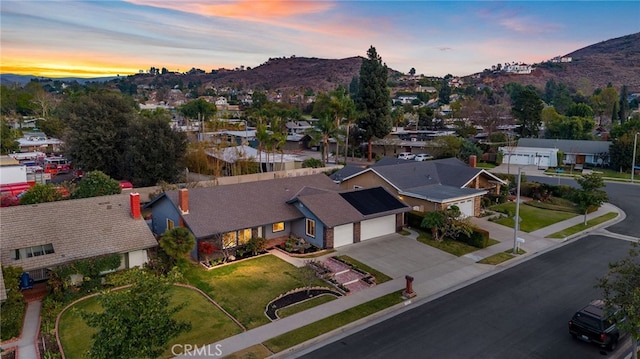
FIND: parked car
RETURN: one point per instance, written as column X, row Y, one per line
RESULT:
column 595, row 324
column 423, row 157
column 406, row 156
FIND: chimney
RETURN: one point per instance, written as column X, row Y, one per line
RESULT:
column 473, row 159
column 134, row 201
column 183, row 200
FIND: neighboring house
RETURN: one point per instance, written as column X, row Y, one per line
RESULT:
column 224, row 158
column 520, row 69
column 43, row 236
column 577, row 152
column 310, row 207
column 529, row 156
column 38, row 141
column 426, row 186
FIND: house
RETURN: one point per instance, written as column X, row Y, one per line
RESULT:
column 309, row 207
column 529, row 156
column 575, row 152
column 42, row 236
column 426, row 185
column 224, row 158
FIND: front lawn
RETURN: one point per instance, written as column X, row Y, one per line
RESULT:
column 533, row 218
column 302, row 306
column 450, row 246
column 500, row 257
column 245, row 288
column 208, row 323
column 581, row 227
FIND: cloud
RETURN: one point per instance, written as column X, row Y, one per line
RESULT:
column 512, row 20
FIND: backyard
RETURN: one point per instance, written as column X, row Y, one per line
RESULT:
column 209, row 324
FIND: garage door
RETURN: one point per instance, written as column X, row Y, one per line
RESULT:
column 342, row 235
column 466, row 207
column 377, row 227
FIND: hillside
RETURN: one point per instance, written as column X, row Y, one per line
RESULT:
column 615, row 61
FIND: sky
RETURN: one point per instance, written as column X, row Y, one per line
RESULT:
column 121, row 37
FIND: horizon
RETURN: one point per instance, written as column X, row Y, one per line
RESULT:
column 125, row 37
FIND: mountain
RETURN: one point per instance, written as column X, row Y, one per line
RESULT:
column 9, row 79
column 615, row 61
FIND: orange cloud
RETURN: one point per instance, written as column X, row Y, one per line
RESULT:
column 249, row 10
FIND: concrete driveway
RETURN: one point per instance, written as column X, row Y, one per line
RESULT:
column 396, row 255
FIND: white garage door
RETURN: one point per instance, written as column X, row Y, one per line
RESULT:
column 377, row 227
column 342, row 235
column 466, row 207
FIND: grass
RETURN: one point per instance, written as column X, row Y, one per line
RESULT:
column 581, row 227
column 485, row 165
column 605, row 172
column 246, row 287
column 379, row 276
column 312, row 330
column 302, row 306
column 500, row 257
column 209, row 324
column 533, row 218
column 556, row 204
column 448, row 245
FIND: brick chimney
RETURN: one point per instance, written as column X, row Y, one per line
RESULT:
column 473, row 159
column 183, row 200
column 134, row 202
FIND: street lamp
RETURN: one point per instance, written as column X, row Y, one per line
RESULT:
column 633, row 159
column 516, row 220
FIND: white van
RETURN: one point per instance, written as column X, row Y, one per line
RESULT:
column 406, row 156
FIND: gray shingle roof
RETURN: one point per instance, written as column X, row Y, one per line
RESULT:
column 441, row 193
column 78, row 229
column 567, row 146
column 330, row 208
column 231, row 207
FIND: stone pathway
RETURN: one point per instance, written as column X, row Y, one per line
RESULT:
column 346, row 276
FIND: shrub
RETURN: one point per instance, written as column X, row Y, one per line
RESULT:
column 12, row 310
column 414, row 219
column 478, row 238
column 311, row 163
column 256, row 245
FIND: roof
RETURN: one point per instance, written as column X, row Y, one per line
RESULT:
column 567, row 146
column 226, row 208
column 243, row 152
column 437, row 180
column 333, row 208
column 3, row 291
column 78, row 229
column 345, row 172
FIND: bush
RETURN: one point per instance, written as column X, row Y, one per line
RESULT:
column 12, row 310
column 312, row 163
column 479, row 238
column 414, row 219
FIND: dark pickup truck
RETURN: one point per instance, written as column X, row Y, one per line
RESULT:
column 595, row 324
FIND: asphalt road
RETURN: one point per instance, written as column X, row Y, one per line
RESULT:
column 521, row 312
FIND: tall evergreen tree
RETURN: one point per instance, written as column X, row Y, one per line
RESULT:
column 624, row 104
column 374, row 99
column 527, row 108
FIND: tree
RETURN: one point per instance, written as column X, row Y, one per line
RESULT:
column 41, row 193
column 374, row 99
column 96, row 183
column 621, row 290
column 322, row 131
column 527, row 108
column 624, row 104
column 137, row 322
column 590, row 194
column 199, row 109
column 580, row 110
column 8, row 143
column 177, row 242
column 435, row 220
column 306, row 275
column 621, row 150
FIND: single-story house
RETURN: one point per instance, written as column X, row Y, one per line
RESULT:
column 309, row 207
column 42, row 236
column 269, row 161
column 577, row 152
column 426, row 185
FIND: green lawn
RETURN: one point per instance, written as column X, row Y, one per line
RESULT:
column 379, row 276
column 312, row 330
column 302, row 306
column 500, row 257
column 209, row 324
column 245, row 288
column 581, row 227
column 450, row 246
column 533, row 218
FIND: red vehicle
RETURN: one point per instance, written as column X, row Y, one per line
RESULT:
column 55, row 165
column 15, row 189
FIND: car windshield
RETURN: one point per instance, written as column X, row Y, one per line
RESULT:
column 588, row 321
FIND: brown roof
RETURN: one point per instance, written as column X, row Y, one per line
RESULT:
column 78, row 229
column 226, row 208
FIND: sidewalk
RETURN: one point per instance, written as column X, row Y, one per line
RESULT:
column 429, row 284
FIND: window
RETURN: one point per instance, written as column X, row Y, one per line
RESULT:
column 310, row 227
column 244, row 235
column 34, row 251
column 277, row 227
column 170, row 224
column 15, row 254
column 229, row 240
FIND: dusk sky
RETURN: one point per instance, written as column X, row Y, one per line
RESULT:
column 110, row 37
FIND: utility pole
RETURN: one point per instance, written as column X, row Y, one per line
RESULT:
column 516, row 219
column 633, row 159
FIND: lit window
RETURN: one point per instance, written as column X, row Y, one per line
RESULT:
column 277, row 227
column 311, row 227
column 244, row 235
column 169, row 224
column 229, row 240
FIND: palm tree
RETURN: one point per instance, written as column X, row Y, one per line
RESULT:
column 321, row 132
column 177, row 242
column 262, row 136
